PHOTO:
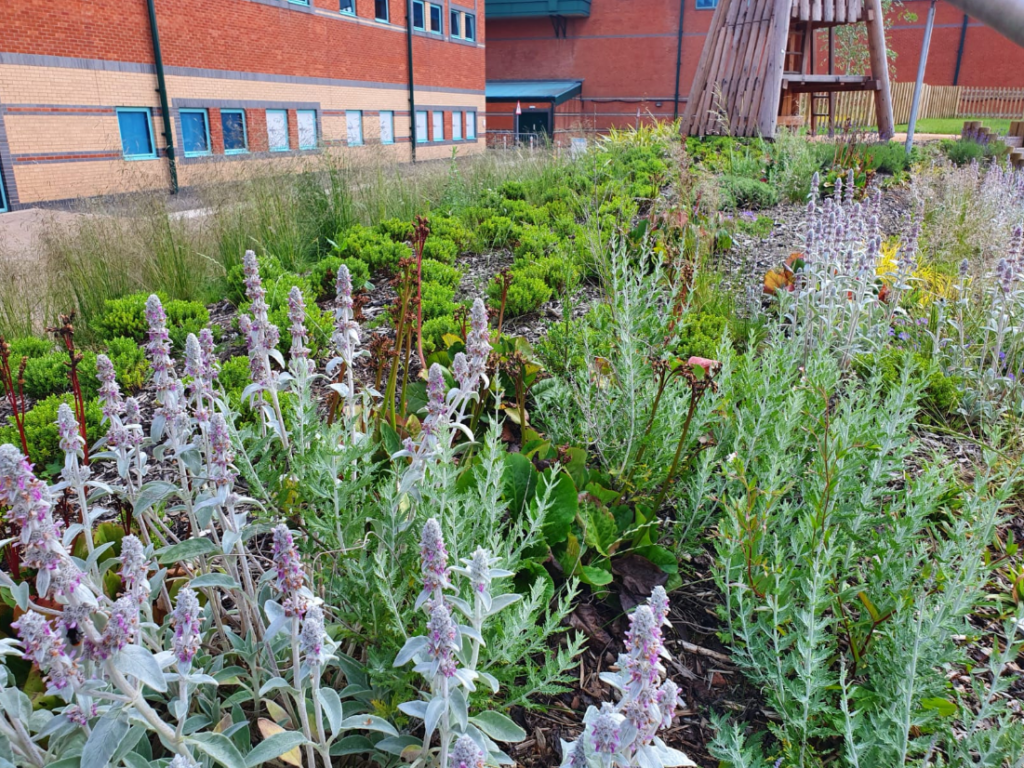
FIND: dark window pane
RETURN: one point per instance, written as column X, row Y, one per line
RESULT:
column 706, row 4
column 348, row 6
column 417, row 15
column 135, row 136
column 381, row 9
column 233, row 126
column 453, row 24
column 470, row 31
column 435, row 19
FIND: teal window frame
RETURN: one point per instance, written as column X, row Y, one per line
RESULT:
column 3, row 194
column 287, row 135
column 433, row 125
column 706, row 5
column 348, row 138
column 149, row 125
column 206, row 129
column 422, row 6
column 431, row 7
column 470, row 121
column 455, row 23
column 422, row 137
column 316, row 128
column 391, row 119
column 350, row 10
column 456, row 125
column 245, row 131
column 377, row 5
column 299, row 2
column 469, row 20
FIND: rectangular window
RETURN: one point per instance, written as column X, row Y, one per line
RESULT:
column 471, row 125
column 456, row 126
column 195, row 132
column 232, row 125
column 437, row 126
column 706, row 5
column 3, row 194
column 387, row 127
column 354, row 126
column 454, row 27
column 436, row 20
column 421, row 127
column 417, row 14
column 306, row 119
column 348, row 6
column 468, row 26
column 277, row 130
column 136, row 127
column 380, row 10
column 299, row 2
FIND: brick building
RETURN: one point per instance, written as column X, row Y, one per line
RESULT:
column 246, row 82
column 618, row 57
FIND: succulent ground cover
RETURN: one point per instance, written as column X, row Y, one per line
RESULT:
column 522, row 478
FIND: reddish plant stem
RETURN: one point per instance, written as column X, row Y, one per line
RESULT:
column 420, row 238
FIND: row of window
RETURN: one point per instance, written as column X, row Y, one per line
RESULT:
column 437, row 126
column 136, row 128
column 429, row 17
column 381, row 12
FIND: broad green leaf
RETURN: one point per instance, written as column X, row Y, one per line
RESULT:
column 139, row 662
column 219, row 747
column 351, row 745
column 498, row 726
column 153, row 493
column 221, row 580
column 185, row 550
column 103, row 742
column 596, row 577
column 563, row 505
column 331, row 703
column 520, row 481
column 274, row 747
column 369, row 723
column 943, row 707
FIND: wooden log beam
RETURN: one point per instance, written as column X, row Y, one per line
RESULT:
column 880, row 69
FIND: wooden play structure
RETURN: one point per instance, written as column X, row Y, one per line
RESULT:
column 760, row 56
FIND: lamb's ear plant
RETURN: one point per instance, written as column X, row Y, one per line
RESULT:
column 447, row 657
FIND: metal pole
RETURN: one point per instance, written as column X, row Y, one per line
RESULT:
column 960, row 51
column 918, row 86
column 679, row 60
column 412, row 78
column 161, row 88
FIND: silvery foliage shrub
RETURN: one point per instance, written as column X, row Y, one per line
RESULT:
column 625, row 734
column 848, row 581
column 447, row 658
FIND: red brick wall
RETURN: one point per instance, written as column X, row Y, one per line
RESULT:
column 625, row 53
column 240, row 35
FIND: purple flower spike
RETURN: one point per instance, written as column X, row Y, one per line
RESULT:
column 312, row 638
column 187, row 626
column 288, row 572
column 297, row 327
column 29, row 507
column 122, row 627
column 442, row 639
column 134, row 569
column 159, row 347
column 47, row 650
column 67, row 427
column 605, row 734
column 667, row 700
column 221, row 454
column 466, row 754
column 478, row 345
column 109, row 392
column 433, row 561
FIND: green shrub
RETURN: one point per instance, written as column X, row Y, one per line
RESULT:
column 750, row 194
column 130, row 363
column 398, row 230
column 41, row 431
column 436, row 272
column 451, row 228
column 556, row 272
column 437, row 300
column 513, row 190
column 522, row 212
column 962, row 151
column 435, row 329
column 498, row 232
column 700, row 334
column 45, row 376
column 378, row 251
column 440, row 249
column 941, row 394
column 126, row 317
column 324, row 273
column 535, row 243
column 525, row 293
column 29, row 346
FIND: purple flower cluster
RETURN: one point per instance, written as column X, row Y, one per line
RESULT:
column 260, row 334
column 159, row 348
column 312, row 639
column 133, row 421
column 47, row 649
column 466, row 754
column 121, row 629
column 67, row 428
column 605, row 733
column 134, row 569
column 288, row 572
column 187, row 623
column 221, row 454
column 346, row 330
column 478, row 347
column 297, row 326
column 29, row 508
column 442, row 640
column 199, row 369
column 433, row 563
column 109, row 392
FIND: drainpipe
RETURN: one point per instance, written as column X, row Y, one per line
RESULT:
column 679, row 59
column 960, row 51
column 412, row 79
column 161, row 88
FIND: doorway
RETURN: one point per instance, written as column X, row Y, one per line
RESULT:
column 534, row 121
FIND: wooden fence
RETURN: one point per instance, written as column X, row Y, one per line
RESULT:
column 936, row 101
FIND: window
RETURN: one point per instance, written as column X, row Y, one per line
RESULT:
column 468, row 26
column 387, row 127
column 299, row 2
column 3, row 195
column 454, row 27
column 195, row 132
column 437, row 126
column 380, row 10
column 417, row 14
column 136, row 128
column 306, row 119
column 456, row 126
column 421, row 127
column 348, row 6
column 232, row 125
column 277, row 130
column 471, row 125
column 354, row 126
column 706, row 5
column 436, row 20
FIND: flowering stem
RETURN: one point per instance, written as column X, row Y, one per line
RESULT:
column 300, row 697
column 679, row 451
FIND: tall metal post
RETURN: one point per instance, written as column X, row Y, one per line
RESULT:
column 919, row 85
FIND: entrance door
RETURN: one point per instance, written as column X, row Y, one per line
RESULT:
column 534, row 121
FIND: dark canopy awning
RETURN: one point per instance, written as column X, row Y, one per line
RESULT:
column 555, row 91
